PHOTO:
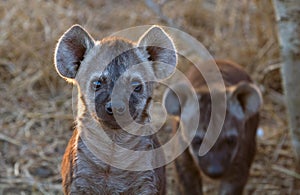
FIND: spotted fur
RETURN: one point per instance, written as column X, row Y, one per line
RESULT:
column 83, row 61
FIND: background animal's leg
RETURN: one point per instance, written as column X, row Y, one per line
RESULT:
column 188, row 175
column 235, row 185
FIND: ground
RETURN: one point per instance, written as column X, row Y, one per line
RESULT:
column 36, row 117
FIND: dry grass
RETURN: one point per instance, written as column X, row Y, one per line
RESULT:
column 35, row 104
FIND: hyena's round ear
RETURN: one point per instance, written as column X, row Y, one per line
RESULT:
column 175, row 98
column 160, row 48
column 70, row 51
column 245, row 100
column 172, row 103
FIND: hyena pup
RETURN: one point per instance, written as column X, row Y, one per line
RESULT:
column 230, row 158
column 96, row 67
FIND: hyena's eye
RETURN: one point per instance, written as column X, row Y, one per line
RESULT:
column 137, row 86
column 96, row 84
column 231, row 140
column 197, row 141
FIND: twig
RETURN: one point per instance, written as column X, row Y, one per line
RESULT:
column 10, row 140
column 278, row 148
column 156, row 8
column 48, row 115
column 272, row 67
column 276, row 97
column 42, row 187
column 286, row 171
column 265, row 49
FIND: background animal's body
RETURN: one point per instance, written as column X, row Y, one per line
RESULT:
column 110, row 95
column 231, row 156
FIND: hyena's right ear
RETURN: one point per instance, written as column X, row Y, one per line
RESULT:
column 70, row 51
column 161, row 50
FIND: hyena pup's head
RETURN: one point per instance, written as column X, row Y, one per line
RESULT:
column 243, row 102
column 115, row 76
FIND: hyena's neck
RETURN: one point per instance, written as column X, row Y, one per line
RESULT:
column 114, row 145
column 90, row 128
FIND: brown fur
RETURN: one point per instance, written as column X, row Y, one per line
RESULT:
column 83, row 61
column 230, row 158
column 77, row 158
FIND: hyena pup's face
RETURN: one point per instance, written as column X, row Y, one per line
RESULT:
column 243, row 101
column 216, row 162
column 115, row 76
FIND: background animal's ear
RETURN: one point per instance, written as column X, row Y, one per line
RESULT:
column 172, row 103
column 160, row 48
column 175, row 99
column 245, row 100
column 70, row 51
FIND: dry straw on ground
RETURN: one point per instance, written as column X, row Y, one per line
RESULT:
column 35, row 104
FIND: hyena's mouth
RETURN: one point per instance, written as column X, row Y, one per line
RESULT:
column 119, row 122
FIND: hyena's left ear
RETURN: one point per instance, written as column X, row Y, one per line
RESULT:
column 70, row 51
column 160, row 48
column 245, row 100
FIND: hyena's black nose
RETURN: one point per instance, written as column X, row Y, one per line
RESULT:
column 215, row 171
column 117, row 106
